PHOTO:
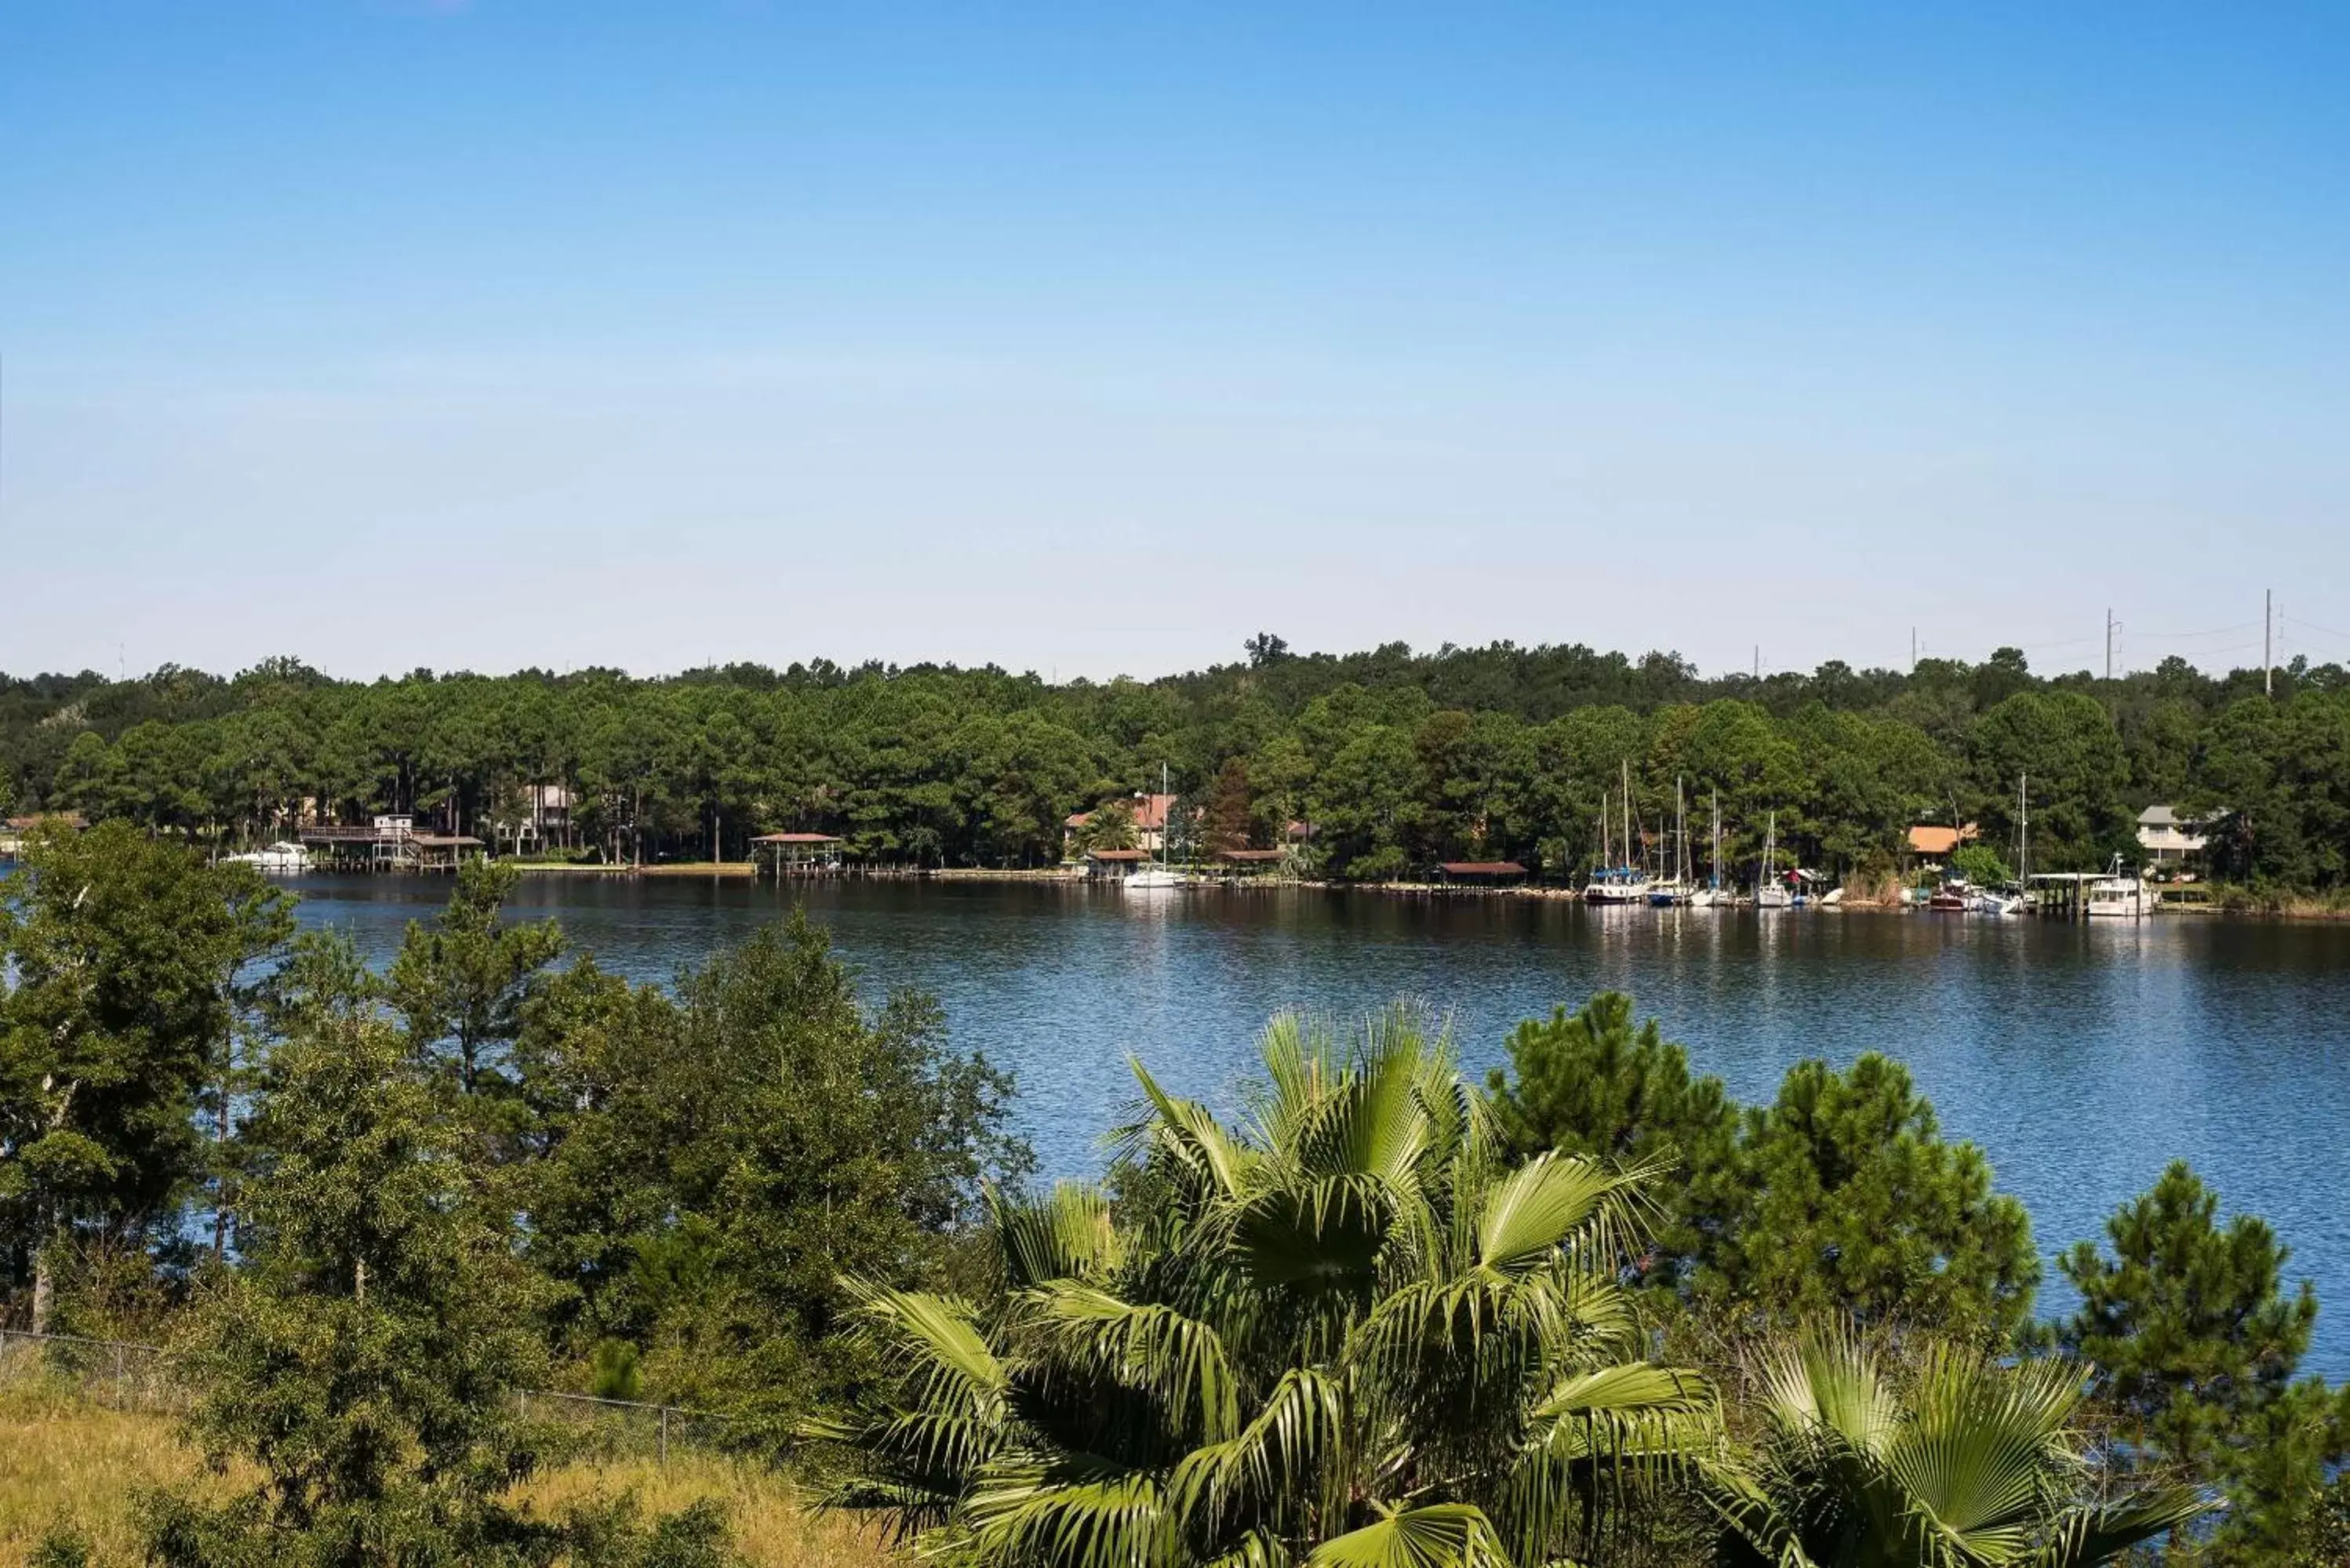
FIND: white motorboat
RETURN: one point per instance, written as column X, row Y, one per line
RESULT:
column 2116, row 897
column 276, row 859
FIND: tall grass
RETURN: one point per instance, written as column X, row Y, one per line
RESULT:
column 67, row 1461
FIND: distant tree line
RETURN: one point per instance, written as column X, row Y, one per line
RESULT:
column 1596, row 1311
column 1397, row 760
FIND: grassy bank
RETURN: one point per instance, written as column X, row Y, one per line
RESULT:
column 66, row 1462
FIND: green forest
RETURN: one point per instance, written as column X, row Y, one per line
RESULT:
column 1398, row 761
column 1592, row 1311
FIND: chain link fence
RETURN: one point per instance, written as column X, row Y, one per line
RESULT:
column 115, row 1373
column 123, row 1374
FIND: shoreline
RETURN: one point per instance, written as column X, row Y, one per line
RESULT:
column 2229, row 904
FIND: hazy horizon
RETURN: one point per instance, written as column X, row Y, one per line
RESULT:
column 493, row 334
column 2061, row 669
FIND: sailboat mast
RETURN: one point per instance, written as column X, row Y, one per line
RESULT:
column 1717, row 840
column 1628, row 810
column 2022, row 828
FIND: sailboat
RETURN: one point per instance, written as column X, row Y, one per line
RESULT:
column 1707, row 896
column 2009, row 900
column 1675, row 889
column 1158, row 874
column 1769, row 892
column 1625, row 883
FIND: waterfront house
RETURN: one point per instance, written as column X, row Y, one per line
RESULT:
column 2168, row 837
column 1150, row 812
column 1935, row 842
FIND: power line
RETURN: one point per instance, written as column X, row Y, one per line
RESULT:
column 2312, row 626
column 2191, row 636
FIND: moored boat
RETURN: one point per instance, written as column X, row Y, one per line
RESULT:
column 2114, row 896
column 275, row 859
column 1157, row 875
column 1616, row 885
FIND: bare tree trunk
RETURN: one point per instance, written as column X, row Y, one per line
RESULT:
column 45, row 1284
column 44, row 1287
column 220, row 1133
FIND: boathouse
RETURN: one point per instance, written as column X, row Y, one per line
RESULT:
column 390, row 843
column 1251, row 864
column 1481, row 873
column 799, row 854
column 1114, row 865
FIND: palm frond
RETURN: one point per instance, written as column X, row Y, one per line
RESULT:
column 931, row 1340
column 1254, row 1549
column 2089, row 1536
column 1065, row 1235
column 1178, row 1359
column 1279, row 1455
column 1556, row 1201
column 1631, row 1425
column 1374, row 1122
column 1189, row 1131
column 1440, row 1535
column 1321, row 1234
column 1035, row 1517
column 1982, row 1446
column 1828, row 1383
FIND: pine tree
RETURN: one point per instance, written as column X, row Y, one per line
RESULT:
column 2196, row 1346
column 461, row 983
column 1848, row 1200
column 123, row 955
column 364, row 1357
column 1592, row 1084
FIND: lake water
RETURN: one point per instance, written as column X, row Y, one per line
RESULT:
column 2082, row 1057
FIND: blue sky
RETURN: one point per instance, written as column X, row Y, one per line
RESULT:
column 1093, row 339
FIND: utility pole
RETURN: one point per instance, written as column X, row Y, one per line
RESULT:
column 1913, row 651
column 2109, row 642
column 1758, row 661
column 2268, row 642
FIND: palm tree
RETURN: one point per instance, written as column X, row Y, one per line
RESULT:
column 1344, row 1333
column 1975, row 1466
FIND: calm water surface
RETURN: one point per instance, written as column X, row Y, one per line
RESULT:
column 2081, row 1057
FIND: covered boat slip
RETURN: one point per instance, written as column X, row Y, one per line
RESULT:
column 798, row 854
column 2082, row 895
column 388, row 844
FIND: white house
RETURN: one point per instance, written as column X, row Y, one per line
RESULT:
column 2168, row 837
